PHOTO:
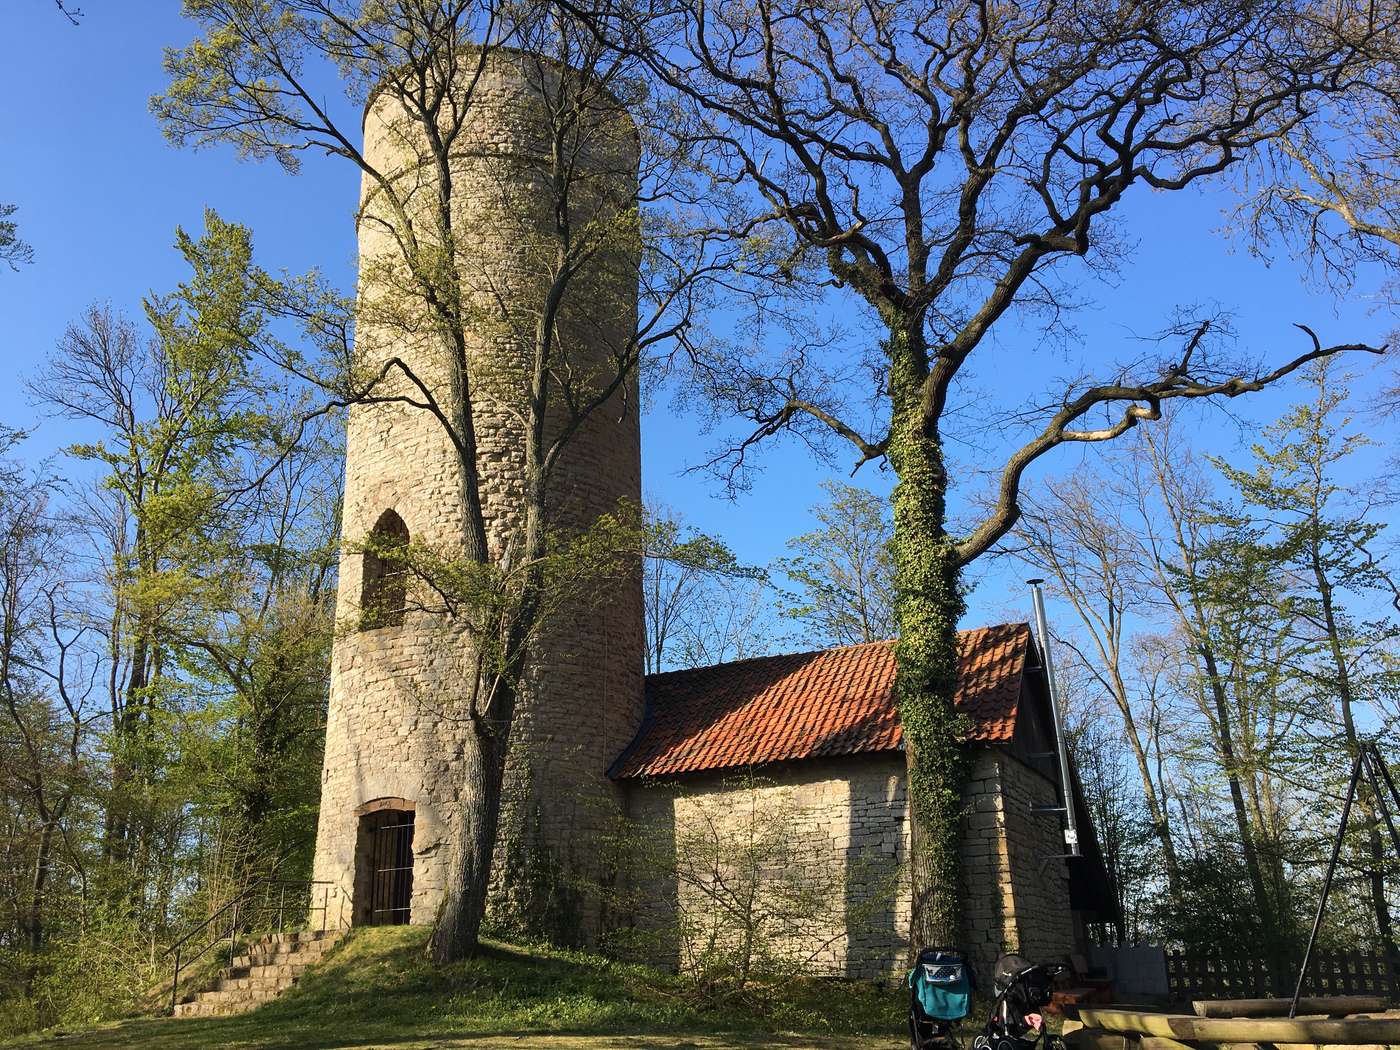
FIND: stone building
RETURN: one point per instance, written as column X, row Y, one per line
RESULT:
column 593, row 740
column 823, row 731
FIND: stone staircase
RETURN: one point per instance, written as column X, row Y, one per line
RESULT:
column 263, row 972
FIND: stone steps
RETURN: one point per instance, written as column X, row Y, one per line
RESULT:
column 262, row 972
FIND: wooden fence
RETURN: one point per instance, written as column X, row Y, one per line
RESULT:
column 1191, row 976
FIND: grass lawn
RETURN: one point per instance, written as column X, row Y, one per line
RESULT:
column 377, row 989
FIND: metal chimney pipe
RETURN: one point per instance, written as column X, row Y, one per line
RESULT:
column 1061, row 748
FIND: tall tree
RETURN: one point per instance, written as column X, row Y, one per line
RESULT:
column 177, row 416
column 844, row 569
column 1209, row 574
column 1327, row 536
column 931, row 165
column 1073, row 530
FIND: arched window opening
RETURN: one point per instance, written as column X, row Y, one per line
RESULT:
column 385, row 585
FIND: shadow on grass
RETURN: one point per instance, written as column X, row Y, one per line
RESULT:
column 377, row 988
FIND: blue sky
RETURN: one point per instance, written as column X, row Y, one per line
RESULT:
column 100, row 194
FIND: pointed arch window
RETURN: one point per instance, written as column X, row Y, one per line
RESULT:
column 384, row 589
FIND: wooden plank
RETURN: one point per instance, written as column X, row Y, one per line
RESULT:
column 1191, row 1029
column 1096, row 1039
column 1158, row 1042
column 1332, row 1006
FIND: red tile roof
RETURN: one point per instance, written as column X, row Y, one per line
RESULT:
column 810, row 705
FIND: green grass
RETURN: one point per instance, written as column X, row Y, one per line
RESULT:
column 377, row 989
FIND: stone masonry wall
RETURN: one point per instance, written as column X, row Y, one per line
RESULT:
column 1017, row 892
column 849, row 823
column 396, row 722
column 844, row 830
column 1039, row 875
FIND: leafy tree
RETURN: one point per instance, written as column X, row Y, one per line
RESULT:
column 217, row 624
column 173, row 414
column 13, row 251
column 844, row 570
column 164, row 633
column 1326, row 536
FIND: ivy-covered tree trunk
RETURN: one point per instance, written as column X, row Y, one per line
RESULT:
column 928, row 605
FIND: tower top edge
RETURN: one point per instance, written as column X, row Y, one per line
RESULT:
column 497, row 52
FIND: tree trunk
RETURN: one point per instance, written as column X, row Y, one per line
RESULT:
column 458, row 926
column 1224, row 724
column 34, row 920
column 1156, row 810
column 928, row 606
column 117, row 825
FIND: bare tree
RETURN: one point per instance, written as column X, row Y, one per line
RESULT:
column 1328, row 188
column 47, row 678
column 697, row 597
column 1071, row 531
column 929, row 165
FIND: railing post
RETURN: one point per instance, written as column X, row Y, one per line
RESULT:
column 175, row 983
column 281, row 900
column 233, row 934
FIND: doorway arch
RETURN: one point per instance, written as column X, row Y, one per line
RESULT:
column 384, row 862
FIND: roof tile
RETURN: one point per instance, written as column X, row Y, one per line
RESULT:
column 802, row 705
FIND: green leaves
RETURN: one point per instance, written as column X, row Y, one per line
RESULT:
column 928, row 605
column 13, row 251
column 844, row 570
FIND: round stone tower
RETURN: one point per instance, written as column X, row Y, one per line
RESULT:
column 393, row 758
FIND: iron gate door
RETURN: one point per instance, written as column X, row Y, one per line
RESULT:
column 391, row 872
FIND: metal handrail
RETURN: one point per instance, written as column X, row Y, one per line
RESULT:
column 232, row 905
